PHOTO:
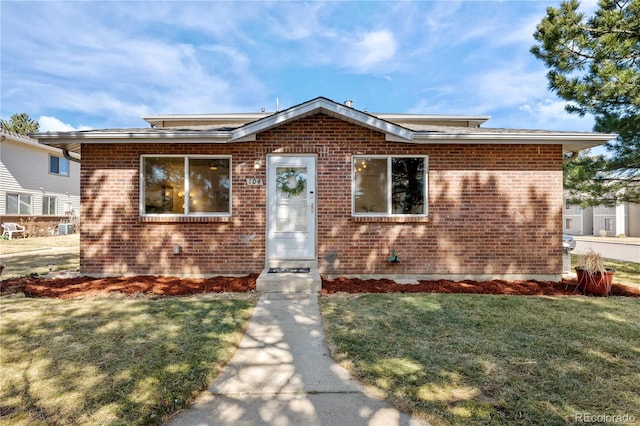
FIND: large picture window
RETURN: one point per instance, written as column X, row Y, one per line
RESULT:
column 389, row 186
column 186, row 185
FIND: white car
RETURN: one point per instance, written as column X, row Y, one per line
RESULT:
column 568, row 242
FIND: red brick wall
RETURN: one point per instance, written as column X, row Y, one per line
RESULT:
column 493, row 209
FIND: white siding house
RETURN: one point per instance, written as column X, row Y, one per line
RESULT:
column 576, row 220
column 37, row 182
column 623, row 219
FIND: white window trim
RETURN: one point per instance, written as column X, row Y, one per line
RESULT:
column 568, row 223
column 19, row 194
column 59, row 159
column 186, row 186
column 390, row 187
column 45, row 203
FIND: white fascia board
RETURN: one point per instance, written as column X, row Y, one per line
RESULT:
column 137, row 137
column 29, row 142
column 571, row 142
column 522, row 138
column 325, row 106
column 429, row 118
column 241, row 118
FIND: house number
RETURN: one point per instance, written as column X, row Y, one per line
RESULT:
column 254, row 182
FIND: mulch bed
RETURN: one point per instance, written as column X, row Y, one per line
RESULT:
column 567, row 287
column 66, row 288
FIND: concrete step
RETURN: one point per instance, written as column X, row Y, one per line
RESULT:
column 287, row 282
column 288, row 263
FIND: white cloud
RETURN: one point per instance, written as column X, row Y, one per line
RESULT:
column 551, row 114
column 545, row 108
column 508, row 85
column 107, row 63
column 298, row 21
column 52, row 124
column 372, row 49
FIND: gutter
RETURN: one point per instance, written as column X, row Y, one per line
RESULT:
column 69, row 157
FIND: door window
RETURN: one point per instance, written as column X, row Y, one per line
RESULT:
column 291, row 199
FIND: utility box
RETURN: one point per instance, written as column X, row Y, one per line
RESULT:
column 566, row 260
column 65, row 228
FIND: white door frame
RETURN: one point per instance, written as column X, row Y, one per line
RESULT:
column 294, row 245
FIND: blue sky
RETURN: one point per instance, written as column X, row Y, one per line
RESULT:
column 103, row 64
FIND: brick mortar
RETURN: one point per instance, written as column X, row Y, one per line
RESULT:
column 493, row 209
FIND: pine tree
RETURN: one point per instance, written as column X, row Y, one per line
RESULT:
column 21, row 124
column 594, row 64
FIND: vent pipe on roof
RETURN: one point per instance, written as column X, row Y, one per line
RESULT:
column 348, row 103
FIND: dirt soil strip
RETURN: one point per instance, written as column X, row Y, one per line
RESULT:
column 567, row 287
column 65, row 288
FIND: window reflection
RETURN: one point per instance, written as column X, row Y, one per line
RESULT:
column 208, row 185
column 389, row 185
column 166, row 190
column 370, row 185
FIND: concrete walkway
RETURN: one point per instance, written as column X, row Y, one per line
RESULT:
column 282, row 374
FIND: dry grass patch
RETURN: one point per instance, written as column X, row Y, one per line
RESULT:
column 477, row 359
column 113, row 359
column 24, row 256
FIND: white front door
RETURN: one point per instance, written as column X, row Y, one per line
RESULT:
column 291, row 207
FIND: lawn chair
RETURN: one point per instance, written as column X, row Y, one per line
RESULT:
column 8, row 229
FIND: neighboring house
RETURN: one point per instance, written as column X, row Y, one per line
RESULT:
column 621, row 220
column 38, row 185
column 576, row 220
column 324, row 184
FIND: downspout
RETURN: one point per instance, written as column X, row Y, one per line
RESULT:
column 570, row 157
column 69, row 157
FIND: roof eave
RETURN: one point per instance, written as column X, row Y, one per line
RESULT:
column 469, row 120
column 571, row 142
column 169, row 119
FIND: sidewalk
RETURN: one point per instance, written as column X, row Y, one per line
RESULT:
column 282, row 374
column 615, row 240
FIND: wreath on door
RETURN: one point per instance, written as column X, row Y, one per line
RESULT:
column 291, row 182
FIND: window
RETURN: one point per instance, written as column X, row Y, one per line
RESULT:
column 19, row 204
column 58, row 166
column 608, row 224
column 49, row 205
column 568, row 223
column 389, row 186
column 574, row 208
column 194, row 185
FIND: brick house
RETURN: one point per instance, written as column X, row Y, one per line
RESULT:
column 326, row 185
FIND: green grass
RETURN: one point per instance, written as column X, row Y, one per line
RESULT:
column 111, row 360
column 478, row 359
column 24, row 256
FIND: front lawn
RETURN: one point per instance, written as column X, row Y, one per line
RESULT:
column 113, row 359
column 35, row 255
column 478, row 359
